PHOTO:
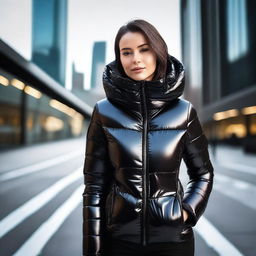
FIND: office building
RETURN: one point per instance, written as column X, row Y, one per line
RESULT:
column 218, row 50
column 49, row 37
column 98, row 63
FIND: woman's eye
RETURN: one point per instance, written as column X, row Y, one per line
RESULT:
column 145, row 49
column 126, row 53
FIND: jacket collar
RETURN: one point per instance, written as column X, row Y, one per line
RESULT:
column 127, row 93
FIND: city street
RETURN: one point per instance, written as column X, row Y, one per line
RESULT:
column 159, row 68
column 41, row 202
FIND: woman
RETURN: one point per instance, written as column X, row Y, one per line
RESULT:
column 134, row 203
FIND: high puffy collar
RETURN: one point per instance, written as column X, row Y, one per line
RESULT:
column 127, row 93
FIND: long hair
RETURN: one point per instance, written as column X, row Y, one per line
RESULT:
column 155, row 41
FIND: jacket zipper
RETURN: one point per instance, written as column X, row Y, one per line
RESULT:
column 145, row 175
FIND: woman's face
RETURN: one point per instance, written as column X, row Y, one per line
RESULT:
column 137, row 58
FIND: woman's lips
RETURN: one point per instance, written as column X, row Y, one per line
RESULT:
column 137, row 70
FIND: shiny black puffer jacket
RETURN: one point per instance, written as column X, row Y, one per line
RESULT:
column 136, row 140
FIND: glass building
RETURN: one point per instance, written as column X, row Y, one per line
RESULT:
column 218, row 50
column 49, row 37
column 34, row 105
column 98, row 63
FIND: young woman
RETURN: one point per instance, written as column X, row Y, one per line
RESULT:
column 134, row 203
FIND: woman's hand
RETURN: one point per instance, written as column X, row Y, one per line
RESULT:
column 185, row 215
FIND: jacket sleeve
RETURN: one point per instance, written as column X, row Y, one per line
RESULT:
column 97, row 175
column 199, row 169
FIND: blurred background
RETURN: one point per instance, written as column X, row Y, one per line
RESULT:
column 52, row 54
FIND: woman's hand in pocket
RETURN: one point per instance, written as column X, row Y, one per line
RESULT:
column 185, row 215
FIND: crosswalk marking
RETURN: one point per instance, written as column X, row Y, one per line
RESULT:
column 212, row 236
column 241, row 191
column 34, row 204
column 238, row 167
column 34, row 245
column 38, row 166
column 215, row 239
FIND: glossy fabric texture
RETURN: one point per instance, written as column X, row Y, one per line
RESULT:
column 136, row 140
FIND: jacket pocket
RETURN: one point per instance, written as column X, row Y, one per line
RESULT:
column 166, row 210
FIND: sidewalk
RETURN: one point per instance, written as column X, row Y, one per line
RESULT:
column 235, row 155
column 12, row 159
column 28, row 155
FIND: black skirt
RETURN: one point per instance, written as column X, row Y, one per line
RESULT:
column 124, row 248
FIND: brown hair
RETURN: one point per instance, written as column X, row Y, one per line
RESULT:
column 154, row 39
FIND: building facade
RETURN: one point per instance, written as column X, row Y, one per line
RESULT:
column 98, row 64
column 49, row 37
column 218, row 50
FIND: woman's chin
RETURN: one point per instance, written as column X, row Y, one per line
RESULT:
column 139, row 77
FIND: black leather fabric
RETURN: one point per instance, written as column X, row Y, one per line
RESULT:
column 136, row 140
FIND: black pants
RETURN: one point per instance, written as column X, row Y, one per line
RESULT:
column 124, row 248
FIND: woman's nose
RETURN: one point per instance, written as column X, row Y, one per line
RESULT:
column 136, row 57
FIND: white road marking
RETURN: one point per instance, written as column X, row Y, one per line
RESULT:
column 237, row 167
column 38, row 166
column 215, row 239
column 241, row 191
column 34, row 204
column 34, row 245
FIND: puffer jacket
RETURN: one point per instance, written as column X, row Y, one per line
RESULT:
column 136, row 140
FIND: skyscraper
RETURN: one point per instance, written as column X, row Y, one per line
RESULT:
column 98, row 63
column 49, row 37
column 77, row 79
column 218, row 48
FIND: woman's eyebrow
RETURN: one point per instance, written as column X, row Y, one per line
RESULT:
column 142, row 45
column 127, row 48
